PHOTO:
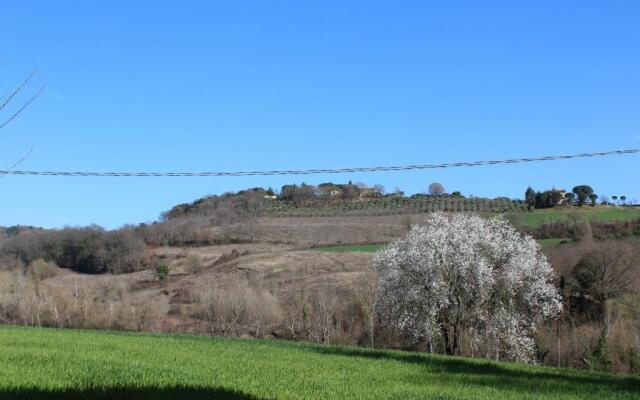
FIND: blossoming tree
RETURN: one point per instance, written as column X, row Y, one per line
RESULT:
column 462, row 275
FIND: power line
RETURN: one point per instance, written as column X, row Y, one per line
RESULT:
column 321, row 171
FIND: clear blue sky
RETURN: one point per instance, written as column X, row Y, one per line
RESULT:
column 239, row 85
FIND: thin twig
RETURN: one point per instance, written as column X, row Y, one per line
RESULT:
column 25, row 105
column 17, row 163
column 18, row 89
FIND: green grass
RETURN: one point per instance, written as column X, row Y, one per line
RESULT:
column 58, row 364
column 538, row 217
column 348, row 248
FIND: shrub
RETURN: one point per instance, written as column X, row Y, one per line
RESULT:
column 162, row 271
column 232, row 311
column 40, row 270
column 192, row 264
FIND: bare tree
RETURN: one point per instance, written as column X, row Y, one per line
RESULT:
column 322, row 316
column 436, row 189
column 380, row 189
column 367, row 293
column 608, row 270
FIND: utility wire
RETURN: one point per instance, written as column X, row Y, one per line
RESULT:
column 321, row 171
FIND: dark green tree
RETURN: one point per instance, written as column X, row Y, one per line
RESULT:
column 582, row 192
column 530, row 197
column 542, row 200
column 555, row 196
column 570, row 197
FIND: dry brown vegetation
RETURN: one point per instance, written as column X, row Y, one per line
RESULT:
column 278, row 286
column 196, row 231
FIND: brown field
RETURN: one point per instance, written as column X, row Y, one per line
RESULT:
column 281, row 271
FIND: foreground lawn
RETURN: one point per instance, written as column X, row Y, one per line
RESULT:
column 59, row 364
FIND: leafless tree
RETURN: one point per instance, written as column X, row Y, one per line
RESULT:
column 436, row 189
column 380, row 189
column 608, row 270
column 323, row 316
column 367, row 294
column 233, row 311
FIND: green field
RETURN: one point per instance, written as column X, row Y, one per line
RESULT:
column 59, row 364
column 538, row 217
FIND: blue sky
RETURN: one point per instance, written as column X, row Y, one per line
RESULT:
column 239, row 85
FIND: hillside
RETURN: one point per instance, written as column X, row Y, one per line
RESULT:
column 296, row 277
column 57, row 364
column 331, row 214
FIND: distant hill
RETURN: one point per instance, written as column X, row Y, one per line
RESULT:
column 333, row 200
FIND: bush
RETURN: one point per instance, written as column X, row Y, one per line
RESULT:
column 40, row 270
column 162, row 271
column 237, row 310
column 192, row 264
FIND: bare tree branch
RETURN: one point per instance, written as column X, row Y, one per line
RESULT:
column 24, row 106
column 18, row 89
column 17, row 163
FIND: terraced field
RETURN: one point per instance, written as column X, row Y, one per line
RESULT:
column 59, row 364
column 392, row 206
column 401, row 206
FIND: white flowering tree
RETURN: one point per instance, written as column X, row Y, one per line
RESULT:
column 462, row 275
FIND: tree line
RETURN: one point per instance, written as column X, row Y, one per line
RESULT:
column 90, row 250
column 580, row 195
column 553, row 197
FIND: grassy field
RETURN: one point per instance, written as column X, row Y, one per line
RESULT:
column 58, row 364
column 538, row 217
